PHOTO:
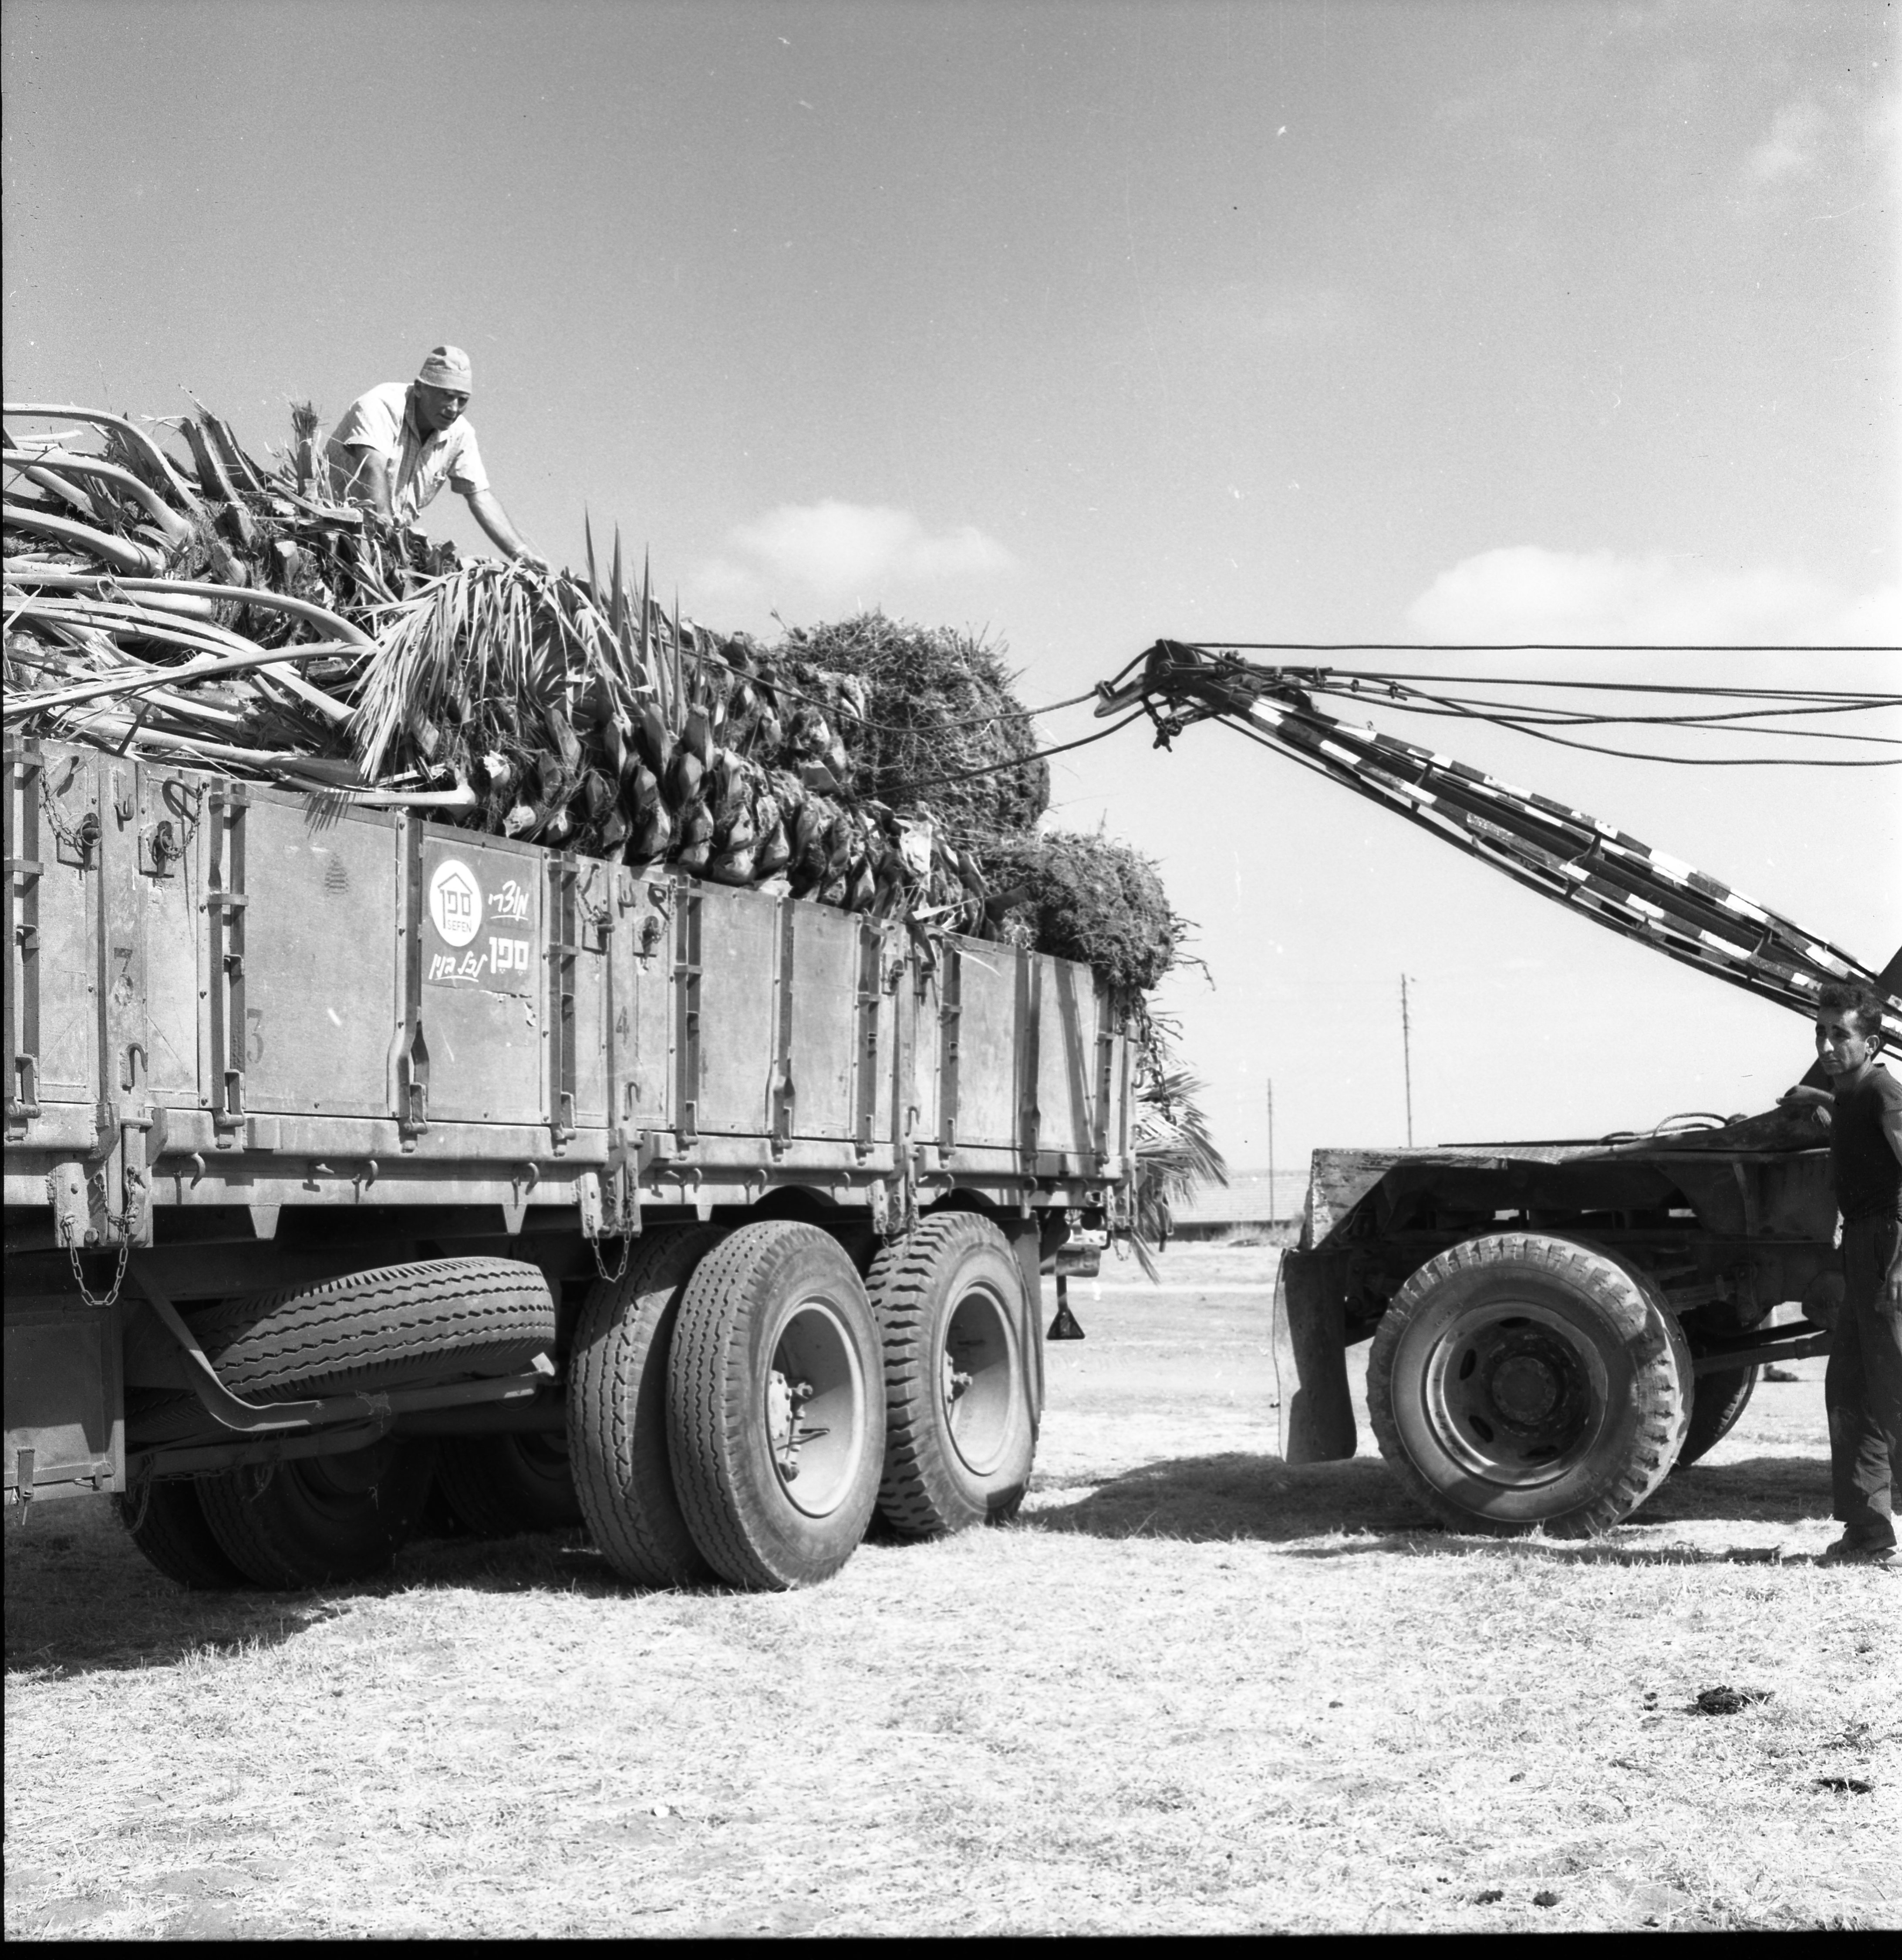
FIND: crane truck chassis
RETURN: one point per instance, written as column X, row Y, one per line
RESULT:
column 346, row 1152
column 1555, row 1327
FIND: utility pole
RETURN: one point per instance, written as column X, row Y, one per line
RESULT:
column 1272, row 1213
column 1407, row 1057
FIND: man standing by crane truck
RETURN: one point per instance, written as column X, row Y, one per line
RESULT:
column 1863, row 1388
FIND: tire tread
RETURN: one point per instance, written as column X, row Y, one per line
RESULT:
column 900, row 1283
column 710, row 1408
column 1588, row 1269
column 627, row 1494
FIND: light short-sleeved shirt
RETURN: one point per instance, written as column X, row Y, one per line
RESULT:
column 419, row 465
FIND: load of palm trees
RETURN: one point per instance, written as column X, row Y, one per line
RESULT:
column 168, row 595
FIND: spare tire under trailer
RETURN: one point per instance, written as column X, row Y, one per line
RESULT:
column 326, row 1520
column 1522, row 1380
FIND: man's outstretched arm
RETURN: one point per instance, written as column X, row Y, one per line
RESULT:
column 369, row 481
column 487, row 511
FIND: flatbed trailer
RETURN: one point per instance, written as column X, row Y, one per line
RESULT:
column 262, row 1042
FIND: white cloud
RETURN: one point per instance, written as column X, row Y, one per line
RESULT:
column 842, row 550
column 1796, row 132
column 1525, row 592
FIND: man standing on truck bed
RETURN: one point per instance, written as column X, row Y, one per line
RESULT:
column 1862, row 1386
column 398, row 445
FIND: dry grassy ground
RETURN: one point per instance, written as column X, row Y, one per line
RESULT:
column 1194, row 1690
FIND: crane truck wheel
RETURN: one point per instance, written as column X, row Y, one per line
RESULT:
column 436, row 1320
column 319, row 1520
column 775, row 1406
column 618, row 1410
column 164, row 1518
column 1520, row 1380
column 1716, row 1402
column 958, row 1436
column 498, row 1485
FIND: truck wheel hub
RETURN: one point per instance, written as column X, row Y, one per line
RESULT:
column 1508, row 1394
column 1524, row 1389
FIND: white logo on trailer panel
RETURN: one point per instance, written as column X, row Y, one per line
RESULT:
column 456, row 901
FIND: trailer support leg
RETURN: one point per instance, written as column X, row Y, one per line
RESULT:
column 1321, row 1417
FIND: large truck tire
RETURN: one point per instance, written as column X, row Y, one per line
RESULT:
column 164, row 1518
column 775, row 1406
column 497, row 1486
column 1521, row 1380
column 1716, row 1402
column 439, row 1320
column 618, row 1411
column 319, row 1520
column 959, row 1436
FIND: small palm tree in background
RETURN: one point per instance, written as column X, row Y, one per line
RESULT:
column 1174, row 1154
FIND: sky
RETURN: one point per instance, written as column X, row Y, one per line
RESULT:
column 1083, row 325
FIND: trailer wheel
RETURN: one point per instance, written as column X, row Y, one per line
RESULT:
column 164, row 1518
column 517, row 1481
column 319, row 1520
column 959, row 1436
column 618, row 1411
column 437, row 1320
column 1520, row 1380
column 775, row 1416
column 1717, row 1401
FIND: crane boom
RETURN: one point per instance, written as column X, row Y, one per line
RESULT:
column 1586, row 865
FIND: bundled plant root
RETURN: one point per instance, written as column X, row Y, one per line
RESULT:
column 930, row 704
column 140, row 582
column 1087, row 898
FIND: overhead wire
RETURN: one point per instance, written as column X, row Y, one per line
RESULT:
column 1615, row 686
column 1446, row 705
column 1528, row 647
column 1531, row 721
column 1398, row 694
column 1036, row 755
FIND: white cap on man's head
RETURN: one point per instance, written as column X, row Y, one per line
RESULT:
column 447, row 367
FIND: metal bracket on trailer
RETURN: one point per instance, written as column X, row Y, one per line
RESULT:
column 24, row 871
column 412, row 1054
column 225, row 902
column 686, row 1017
column 564, row 945
column 950, row 1012
column 870, row 970
column 1029, row 1020
column 782, row 1091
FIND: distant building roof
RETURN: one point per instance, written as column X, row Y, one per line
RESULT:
column 1246, row 1198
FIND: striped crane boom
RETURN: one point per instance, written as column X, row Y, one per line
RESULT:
column 1588, row 866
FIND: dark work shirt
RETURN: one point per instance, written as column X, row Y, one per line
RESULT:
column 1869, row 1176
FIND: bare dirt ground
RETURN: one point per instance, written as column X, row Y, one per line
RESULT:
column 1193, row 1690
